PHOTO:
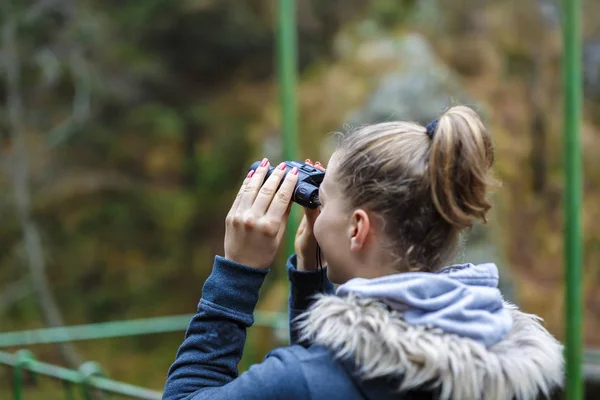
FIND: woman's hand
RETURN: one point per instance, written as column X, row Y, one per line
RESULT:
column 256, row 222
column 305, row 244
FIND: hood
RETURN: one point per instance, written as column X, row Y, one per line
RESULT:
column 383, row 347
column 460, row 299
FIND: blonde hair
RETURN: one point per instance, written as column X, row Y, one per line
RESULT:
column 425, row 190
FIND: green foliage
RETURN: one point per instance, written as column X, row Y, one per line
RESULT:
column 391, row 13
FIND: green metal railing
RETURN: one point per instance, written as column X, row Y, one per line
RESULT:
column 572, row 81
column 84, row 381
column 90, row 377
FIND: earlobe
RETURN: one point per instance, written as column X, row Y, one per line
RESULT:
column 361, row 225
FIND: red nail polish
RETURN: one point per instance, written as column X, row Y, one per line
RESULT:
column 264, row 162
column 281, row 166
column 294, row 171
column 308, row 161
column 250, row 174
column 318, row 164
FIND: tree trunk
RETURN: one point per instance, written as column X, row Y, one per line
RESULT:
column 538, row 158
column 18, row 170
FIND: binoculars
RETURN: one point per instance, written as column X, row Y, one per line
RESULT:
column 306, row 192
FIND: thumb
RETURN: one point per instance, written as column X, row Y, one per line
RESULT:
column 311, row 217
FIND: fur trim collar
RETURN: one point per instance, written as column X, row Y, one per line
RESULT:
column 526, row 363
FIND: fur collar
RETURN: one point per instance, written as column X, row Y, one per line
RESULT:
column 526, row 363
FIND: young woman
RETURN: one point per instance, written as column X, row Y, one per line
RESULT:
column 401, row 325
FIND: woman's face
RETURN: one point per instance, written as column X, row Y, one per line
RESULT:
column 332, row 227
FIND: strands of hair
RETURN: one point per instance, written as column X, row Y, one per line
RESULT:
column 319, row 264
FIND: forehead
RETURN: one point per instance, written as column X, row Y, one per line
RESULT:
column 330, row 183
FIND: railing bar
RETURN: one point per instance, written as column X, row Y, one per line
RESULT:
column 123, row 389
column 120, row 329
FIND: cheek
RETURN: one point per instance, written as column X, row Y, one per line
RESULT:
column 317, row 228
column 326, row 228
column 322, row 227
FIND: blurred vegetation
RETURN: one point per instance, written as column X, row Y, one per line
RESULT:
column 141, row 117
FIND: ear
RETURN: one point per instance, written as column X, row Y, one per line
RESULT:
column 360, row 226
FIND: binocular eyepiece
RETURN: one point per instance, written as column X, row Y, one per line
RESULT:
column 306, row 192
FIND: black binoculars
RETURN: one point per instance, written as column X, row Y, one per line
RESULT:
column 306, row 192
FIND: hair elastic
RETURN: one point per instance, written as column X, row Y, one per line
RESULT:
column 431, row 127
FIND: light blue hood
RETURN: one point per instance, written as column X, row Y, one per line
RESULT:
column 460, row 299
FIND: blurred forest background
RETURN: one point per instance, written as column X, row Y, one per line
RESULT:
column 127, row 126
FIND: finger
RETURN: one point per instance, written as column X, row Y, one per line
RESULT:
column 307, row 161
column 251, row 189
column 302, row 225
column 311, row 217
column 319, row 166
column 281, row 202
column 238, row 197
column 281, row 232
column 283, row 225
column 289, row 210
column 301, row 228
column 268, row 190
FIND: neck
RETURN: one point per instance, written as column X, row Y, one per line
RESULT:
column 372, row 265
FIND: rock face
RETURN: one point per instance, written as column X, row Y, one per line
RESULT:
column 419, row 90
column 591, row 47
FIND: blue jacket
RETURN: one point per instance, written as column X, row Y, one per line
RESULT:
column 349, row 348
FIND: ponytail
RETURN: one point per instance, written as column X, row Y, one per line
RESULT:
column 459, row 163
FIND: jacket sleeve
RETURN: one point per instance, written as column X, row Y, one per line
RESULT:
column 206, row 362
column 304, row 285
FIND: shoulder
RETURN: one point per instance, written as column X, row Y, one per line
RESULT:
column 324, row 376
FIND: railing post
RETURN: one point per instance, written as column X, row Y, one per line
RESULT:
column 88, row 370
column 572, row 83
column 287, row 57
column 17, row 383
column 68, row 388
column 23, row 358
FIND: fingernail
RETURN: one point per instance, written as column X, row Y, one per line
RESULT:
column 308, row 161
column 294, row 171
column 281, row 166
column 250, row 174
column 318, row 164
column 264, row 162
